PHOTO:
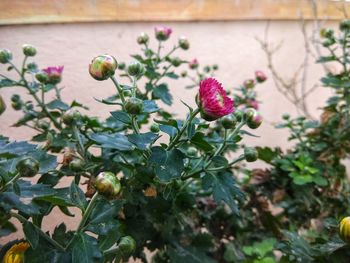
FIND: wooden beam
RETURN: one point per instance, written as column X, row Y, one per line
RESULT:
column 69, row 11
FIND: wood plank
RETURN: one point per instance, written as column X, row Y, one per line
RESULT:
column 68, row 11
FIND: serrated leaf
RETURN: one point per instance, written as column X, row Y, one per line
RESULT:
column 162, row 92
column 31, row 233
column 112, row 141
column 143, row 140
column 77, row 196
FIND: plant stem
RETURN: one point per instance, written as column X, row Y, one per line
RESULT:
column 183, row 128
column 13, row 179
column 44, row 235
column 120, row 91
column 88, row 211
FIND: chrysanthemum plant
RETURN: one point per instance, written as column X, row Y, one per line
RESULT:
column 137, row 193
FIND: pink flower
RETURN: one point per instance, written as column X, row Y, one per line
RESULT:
column 54, row 74
column 249, row 83
column 253, row 103
column 260, row 76
column 213, row 100
column 193, row 64
column 162, row 32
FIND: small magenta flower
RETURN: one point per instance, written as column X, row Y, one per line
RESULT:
column 213, row 100
column 249, row 83
column 260, row 76
column 253, row 104
column 54, row 74
column 193, row 64
column 162, row 32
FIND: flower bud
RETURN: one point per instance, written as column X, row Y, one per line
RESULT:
column 162, row 32
column 42, row 77
column 260, row 76
column 250, row 154
column 176, row 61
column 27, row 167
column 42, row 124
column 103, row 67
column 121, row 65
column 54, row 74
column 327, row 33
column 344, row 229
column 127, row 245
column 184, row 74
column 15, row 98
column 127, row 93
column 16, row 105
column 107, row 184
column 285, row 116
column 345, row 25
column 142, row 39
column 255, row 121
column 155, row 127
column 253, row 104
column 2, row 105
column 76, row 165
column 249, row 113
column 136, row 69
column 206, row 69
column 249, row 84
column 239, row 115
column 193, row 64
column 5, row 56
column 29, row 50
column 229, row 121
column 71, row 116
column 134, row 106
column 184, row 43
column 215, row 67
column 192, row 152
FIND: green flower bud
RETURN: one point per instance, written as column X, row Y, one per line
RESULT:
column 76, row 165
column 286, row 116
column 29, row 50
column 344, row 229
column 134, row 106
column 121, row 66
column 32, row 66
column 345, row 25
column 2, row 105
column 184, row 74
column 229, row 121
column 5, row 56
column 215, row 67
column 192, row 152
column 176, row 62
column 136, row 69
column 206, row 69
column 250, row 154
column 254, row 121
column 103, row 67
column 327, row 33
column 127, row 93
column 42, row 124
column 249, row 113
column 107, row 184
column 142, row 39
column 184, row 43
column 29, row 106
column 27, row 167
column 127, row 245
column 71, row 116
column 155, row 127
column 16, row 105
column 328, row 42
column 42, row 77
column 15, row 98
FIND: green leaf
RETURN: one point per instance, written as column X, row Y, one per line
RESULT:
column 182, row 254
column 77, row 196
column 168, row 164
column 172, row 75
column 301, row 179
column 198, row 140
column 162, row 92
column 31, row 233
column 319, row 180
column 121, row 116
column 143, row 140
column 112, row 141
column 267, row 154
column 224, row 188
column 85, row 249
column 150, row 106
column 57, row 104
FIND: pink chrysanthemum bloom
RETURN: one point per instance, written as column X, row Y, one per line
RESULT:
column 54, row 74
column 260, row 76
column 253, row 103
column 193, row 64
column 213, row 100
column 162, row 32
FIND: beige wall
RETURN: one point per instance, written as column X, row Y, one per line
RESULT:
column 232, row 45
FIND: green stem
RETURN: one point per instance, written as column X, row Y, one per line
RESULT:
column 88, row 211
column 183, row 128
column 81, row 147
column 13, row 179
column 120, row 91
column 44, row 235
column 240, row 158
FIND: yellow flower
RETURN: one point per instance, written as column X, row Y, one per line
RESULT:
column 16, row 253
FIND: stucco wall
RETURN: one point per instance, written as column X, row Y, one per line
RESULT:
column 231, row 45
